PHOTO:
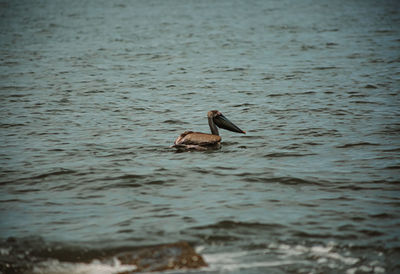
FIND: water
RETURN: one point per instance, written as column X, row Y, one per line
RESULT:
column 93, row 93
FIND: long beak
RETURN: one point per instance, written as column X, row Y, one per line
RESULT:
column 222, row 122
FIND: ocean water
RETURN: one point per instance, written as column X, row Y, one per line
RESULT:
column 93, row 93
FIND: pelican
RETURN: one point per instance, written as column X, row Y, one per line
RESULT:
column 204, row 141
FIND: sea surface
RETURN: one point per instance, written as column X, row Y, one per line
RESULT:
column 93, row 93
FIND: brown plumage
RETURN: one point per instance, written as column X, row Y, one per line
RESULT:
column 203, row 141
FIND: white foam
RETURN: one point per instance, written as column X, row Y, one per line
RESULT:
column 326, row 252
column 199, row 249
column 5, row 251
column 95, row 267
column 232, row 261
column 364, row 268
column 378, row 269
column 221, row 258
column 284, row 255
column 236, row 266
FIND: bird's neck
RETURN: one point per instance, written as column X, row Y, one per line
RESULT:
column 213, row 127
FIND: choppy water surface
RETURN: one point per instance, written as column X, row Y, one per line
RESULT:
column 93, row 93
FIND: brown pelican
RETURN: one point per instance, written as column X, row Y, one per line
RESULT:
column 204, row 141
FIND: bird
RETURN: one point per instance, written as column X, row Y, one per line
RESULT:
column 190, row 140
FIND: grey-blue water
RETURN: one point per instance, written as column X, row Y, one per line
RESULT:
column 93, row 93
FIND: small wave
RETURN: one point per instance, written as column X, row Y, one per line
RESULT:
column 268, row 77
column 233, row 224
column 15, row 88
column 310, row 92
column 199, row 170
column 330, row 44
column 397, row 60
column 225, row 168
column 370, row 86
column 312, row 144
column 278, row 94
column 371, row 233
column 325, row 68
column 249, row 137
column 156, row 182
column 310, row 235
column 235, row 69
column 280, row 155
column 244, row 105
column 118, row 186
column 365, row 102
column 93, row 91
column 174, row 122
column 397, row 149
column 357, row 144
column 11, row 125
column 56, row 150
column 126, row 177
column 262, row 178
column 319, row 132
column 393, row 167
column 385, row 31
column 160, row 57
column 382, row 216
column 356, row 95
column 58, row 172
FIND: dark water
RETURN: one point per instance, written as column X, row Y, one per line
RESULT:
column 92, row 94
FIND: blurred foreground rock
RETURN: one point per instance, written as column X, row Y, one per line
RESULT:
column 163, row 257
column 34, row 255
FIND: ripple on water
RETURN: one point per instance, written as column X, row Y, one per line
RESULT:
column 91, row 99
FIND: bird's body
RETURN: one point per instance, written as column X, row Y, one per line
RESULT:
column 190, row 140
column 197, row 141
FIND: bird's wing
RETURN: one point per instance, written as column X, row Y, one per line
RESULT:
column 197, row 138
